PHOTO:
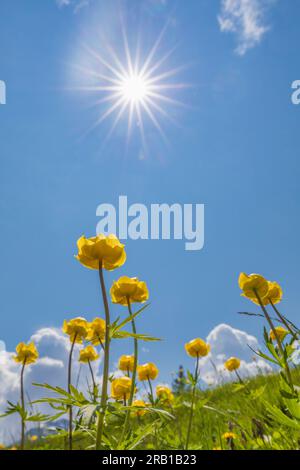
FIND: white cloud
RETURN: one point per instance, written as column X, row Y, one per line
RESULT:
column 51, row 368
column 245, row 18
column 76, row 4
column 225, row 342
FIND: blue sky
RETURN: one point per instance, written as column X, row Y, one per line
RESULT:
column 235, row 150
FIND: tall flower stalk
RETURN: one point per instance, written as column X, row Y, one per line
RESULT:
column 275, row 333
column 22, row 405
column 195, row 348
column 100, row 423
column 70, row 436
column 26, row 354
column 195, row 381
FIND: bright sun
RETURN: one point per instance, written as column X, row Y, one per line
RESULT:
column 134, row 88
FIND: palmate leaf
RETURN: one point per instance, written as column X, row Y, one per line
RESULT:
column 14, row 408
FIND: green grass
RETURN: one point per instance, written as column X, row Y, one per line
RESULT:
column 232, row 407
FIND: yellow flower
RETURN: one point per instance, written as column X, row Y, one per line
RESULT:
column 217, row 448
column 147, row 371
column 88, row 354
column 197, row 347
column 13, row 448
column 101, row 249
column 164, row 394
column 26, row 353
column 96, row 331
column 33, row 438
column 229, row 435
column 251, row 284
column 126, row 363
column 76, row 329
column 120, row 388
column 232, row 364
column 129, row 288
column 281, row 333
column 140, row 404
column 274, row 293
column 2, row 447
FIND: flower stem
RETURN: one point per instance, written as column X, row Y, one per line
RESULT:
column 100, row 424
column 23, row 406
column 93, row 379
column 192, row 404
column 283, row 320
column 151, row 391
column 69, row 391
column 133, row 371
column 271, row 324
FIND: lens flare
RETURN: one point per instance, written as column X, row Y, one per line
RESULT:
column 138, row 89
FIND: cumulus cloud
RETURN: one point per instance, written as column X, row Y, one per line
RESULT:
column 51, row 368
column 225, row 342
column 245, row 18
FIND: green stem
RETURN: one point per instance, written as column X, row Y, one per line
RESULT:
column 23, row 406
column 151, row 391
column 271, row 324
column 133, row 379
column 283, row 320
column 93, row 379
column 69, row 391
column 192, row 404
column 100, row 423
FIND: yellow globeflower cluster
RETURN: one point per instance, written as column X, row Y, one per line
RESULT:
column 76, row 329
column 88, row 354
column 26, row 353
column 233, row 363
column 255, row 285
column 96, row 331
column 141, row 405
column 129, row 289
column 126, row 363
column 197, row 348
column 101, row 251
column 164, row 394
column 120, row 388
column 147, row 371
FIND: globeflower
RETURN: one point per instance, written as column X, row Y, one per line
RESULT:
column 120, row 388
column 147, row 371
column 197, row 347
column 126, row 363
column 140, row 404
column 76, row 329
column 281, row 333
column 164, row 394
column 233, row 363
column 274, row 293
column 88, row 354
column 26, row 353
column 229, row 435
column 253, row 285
column 129, row 289
column 101, row 251
column 96, row 331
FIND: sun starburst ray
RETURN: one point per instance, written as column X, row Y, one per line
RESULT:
column 133, row 86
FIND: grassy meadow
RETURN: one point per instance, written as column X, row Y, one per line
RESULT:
column 126, row 412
